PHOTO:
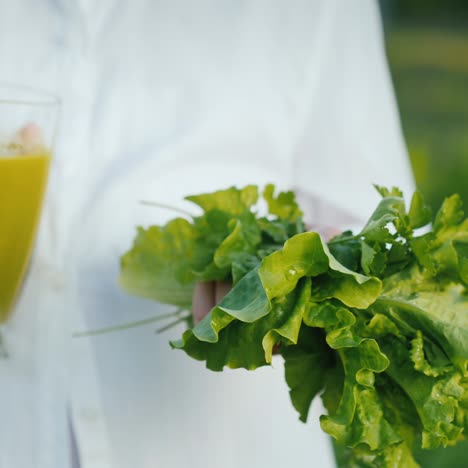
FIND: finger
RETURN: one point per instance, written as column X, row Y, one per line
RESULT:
column 327, row 232
column 221, row 289
column 203, row 300
column 330, row 232
column 277, row 348
column 31, row 136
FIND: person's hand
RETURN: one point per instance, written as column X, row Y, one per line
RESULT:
column 209, row 293
column 326, row 232
column 206, row 296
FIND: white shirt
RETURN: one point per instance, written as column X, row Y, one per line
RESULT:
column 160, row 100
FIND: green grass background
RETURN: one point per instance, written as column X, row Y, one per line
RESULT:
column 429, row 66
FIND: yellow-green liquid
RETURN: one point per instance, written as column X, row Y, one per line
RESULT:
column 23, row 179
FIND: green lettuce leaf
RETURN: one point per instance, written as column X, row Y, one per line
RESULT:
column 233, row 200
column 243, row 329
column 284, row 205
column 225, row 242
column 376, row 323
column 306, row 368
column 148, row 269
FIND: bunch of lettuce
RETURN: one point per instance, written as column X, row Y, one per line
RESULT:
column 376, row 323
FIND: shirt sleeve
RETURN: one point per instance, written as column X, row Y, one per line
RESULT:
column 351, row 137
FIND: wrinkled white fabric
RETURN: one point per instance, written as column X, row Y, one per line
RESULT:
column 163, row 99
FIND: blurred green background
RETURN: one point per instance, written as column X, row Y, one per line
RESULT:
column 427, row 49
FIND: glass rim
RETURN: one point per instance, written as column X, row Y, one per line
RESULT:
column 27, row 96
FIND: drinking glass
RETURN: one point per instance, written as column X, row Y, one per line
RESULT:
column 28, row 122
